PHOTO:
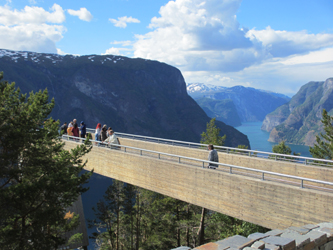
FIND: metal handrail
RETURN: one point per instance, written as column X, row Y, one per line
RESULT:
column 231, row 167
column 231, row 150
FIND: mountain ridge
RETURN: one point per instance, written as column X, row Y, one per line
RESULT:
column 131, row 95
column 299, row 120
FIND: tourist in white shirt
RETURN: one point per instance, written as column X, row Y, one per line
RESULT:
column 112, row 138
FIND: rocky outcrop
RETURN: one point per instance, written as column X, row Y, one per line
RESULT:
column 311, row 237
column 299, row 121
column 270, row 122
column 131, row 95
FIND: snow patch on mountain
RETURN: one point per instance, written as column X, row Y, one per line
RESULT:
column 196, row 89
column 33, row 56
column 202, row 88
column 54, row 58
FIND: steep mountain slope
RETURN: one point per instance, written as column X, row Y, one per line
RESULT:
column 223, row 110
column 131, row 95
column 251, row 104
column 298, row 121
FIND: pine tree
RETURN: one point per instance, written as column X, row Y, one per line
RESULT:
column 323, row 148
column 109, row 215
column 281, row 148
column 129, row 193
column 211, row 136
column 38, row 178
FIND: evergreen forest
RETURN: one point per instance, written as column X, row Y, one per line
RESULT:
column 129, row 217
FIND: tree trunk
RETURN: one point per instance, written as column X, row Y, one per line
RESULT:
column 117, row 230
column 178, row 229
column 138, row 222
column 187, row 228
column 201, row 231
column 132, row 230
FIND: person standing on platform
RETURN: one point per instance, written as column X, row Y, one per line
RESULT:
column 98, row 132
column 63, row 129
column 69, row 129
column 103, row 133
column 83, row 129
column 212, row 156
column 75, row 130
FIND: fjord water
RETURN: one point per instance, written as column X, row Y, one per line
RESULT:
column 258, row 139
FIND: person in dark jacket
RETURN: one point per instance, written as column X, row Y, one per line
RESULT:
column 83, row 129
column 63, row 129
column 212, row 156
column 103, row 133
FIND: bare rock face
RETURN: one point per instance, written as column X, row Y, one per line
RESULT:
column 271, row 122
column 134, row 96
column 299, row 121
column 274, row 136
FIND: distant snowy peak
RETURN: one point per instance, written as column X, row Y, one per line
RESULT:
column 202, row 88
column 54, row 58
column 33, row 56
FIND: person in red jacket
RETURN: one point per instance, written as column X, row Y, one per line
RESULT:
column 76, row 131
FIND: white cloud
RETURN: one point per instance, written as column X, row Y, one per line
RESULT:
column 120, row 51
column 285, row 43
column 31, row 37
column 321, row 56
column 123, row 21
column 199, row 35
column 117, row 51
column 31, row 15
column 60, row 52
column 285, row 78
column 32, row 29
column 123, row 43
column 211, row 77
column 204, row 40
column 82, row 13
column 273, row 76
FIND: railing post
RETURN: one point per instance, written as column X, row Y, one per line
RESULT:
column 302, row 184
column 159, row 156
column 140, row 152
column 263, row 176
column 230, row 170
column 276, row 157
column 203, row 165
column 179, row 160
column 227, row 150
column 306, row 161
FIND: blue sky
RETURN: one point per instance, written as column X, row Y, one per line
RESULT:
column 275, row 45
